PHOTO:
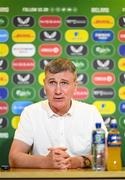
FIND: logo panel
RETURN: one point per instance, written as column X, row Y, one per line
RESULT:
column 44, row 62
column 3, row 64
column 4, row 35
column 3, row 108
column 20, row 35
column 103, row 50
column 50, row 21
column 122, row 50
column 22, row 93
column 80, row 64
column 122, row 21
column 76, row 50
column 102, row 36
column 23, row 64
column 3, row 93
column 41, row 78
column 50, row 35
column 3, row 122
column 103, row 93
column 3, row 21
column 18, row 106
column 121, row 93
column 101, row 21
column 4, row 78
column 50, row 50
column 105, row 107
column 4, row 50
column 81, row 93
column 103, row 78
column 76, row 21
column 23, row 78
column 14, row 122
column 121, row 64
column 23, row 21
column 23, row 50
column 82, row 78
column 122, row 122
column 76, row 36
column 103, row 64
column 121, row 35
column 122, row 107
column 122, row 78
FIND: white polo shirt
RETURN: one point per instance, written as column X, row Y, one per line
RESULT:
column 41, row 128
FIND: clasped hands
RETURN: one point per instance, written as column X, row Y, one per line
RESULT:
column 59, row 159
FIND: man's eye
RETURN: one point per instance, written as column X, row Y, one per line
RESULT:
column 64, row 83
column 52, row 82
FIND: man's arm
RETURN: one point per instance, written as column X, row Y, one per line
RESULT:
column 19, row 156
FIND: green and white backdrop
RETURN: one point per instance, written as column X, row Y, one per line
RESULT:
column 32, row 33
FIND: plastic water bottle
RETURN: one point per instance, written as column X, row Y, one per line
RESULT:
column 98, row 148
column 114, row 148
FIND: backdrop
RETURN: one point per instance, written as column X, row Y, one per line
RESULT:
column 32, row 33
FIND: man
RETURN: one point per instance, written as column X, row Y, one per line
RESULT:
column 55, row 133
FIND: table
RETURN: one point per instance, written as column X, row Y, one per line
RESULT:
column 16, row 173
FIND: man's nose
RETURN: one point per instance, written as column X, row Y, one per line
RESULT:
column 58, row 89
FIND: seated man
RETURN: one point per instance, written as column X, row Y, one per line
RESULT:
column 56, row 133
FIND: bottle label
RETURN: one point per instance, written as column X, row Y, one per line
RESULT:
column 114, row 140
column 98, row 138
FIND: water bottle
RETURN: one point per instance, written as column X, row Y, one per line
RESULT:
column 98, row 148
column 114, row 148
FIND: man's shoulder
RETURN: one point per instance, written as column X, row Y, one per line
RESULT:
column 37, row 105
column 83, row 105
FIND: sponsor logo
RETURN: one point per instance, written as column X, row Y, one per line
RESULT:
column 3, row 21
column 4, row 135
column 14, row 122
column 122, row 107
column 103, row 64
column 76, row 36
column 103, row 93
column 122, row 21
column 23, row 93
column 3, row 107
column 20, row 35
column 102, row 36
column 4, row 50
column 23, row 50
column 76, row 50
column 121, row 35
column 4, row 78
column 122, row 122
column 82, row 78
column 103, row 50
column 103, row 78
column 4, row 35
column 81, row 93
column 23, row 64
column 101, row 21
column 105, row 107
column 3, row 122
column 3, row 93
column 44, row 62
column 80, row 64
column 41, row 78
column 122, row 50
column 50, row 21
column 23, row 78
column 121, row 64
column 107, row 120
column 50, row 36
column 42, row 94
column 3, row 64
column 76, row 21
column 23, row 21
column 50, row 50
column 122, row 78
column 18, row 106
column 121, row 93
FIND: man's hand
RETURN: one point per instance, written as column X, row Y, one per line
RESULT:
column 59, row 158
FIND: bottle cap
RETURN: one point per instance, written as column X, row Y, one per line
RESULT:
column 113, row 123
column 98, row 125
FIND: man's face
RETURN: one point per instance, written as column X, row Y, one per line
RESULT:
column 59, row 89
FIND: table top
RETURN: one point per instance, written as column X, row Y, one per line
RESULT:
column 54, row 173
